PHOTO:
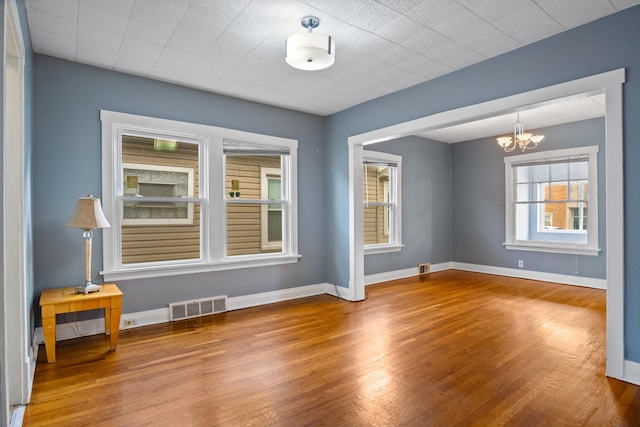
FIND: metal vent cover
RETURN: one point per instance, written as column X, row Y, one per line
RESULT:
column 196, row 308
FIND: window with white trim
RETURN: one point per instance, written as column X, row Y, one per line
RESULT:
column 185, row 198
column 381, row 198
column 547, row 196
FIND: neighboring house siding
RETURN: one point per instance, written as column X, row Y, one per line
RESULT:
column 244, row 221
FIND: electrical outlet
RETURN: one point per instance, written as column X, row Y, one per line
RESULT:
column 130, row 322
column 520, row 263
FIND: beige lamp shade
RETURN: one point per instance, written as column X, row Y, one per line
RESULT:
column 88, row 214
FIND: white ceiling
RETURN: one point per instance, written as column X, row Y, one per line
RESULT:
column 236, row 47
column 550, row 114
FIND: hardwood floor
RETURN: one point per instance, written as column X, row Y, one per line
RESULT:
column 451, row 349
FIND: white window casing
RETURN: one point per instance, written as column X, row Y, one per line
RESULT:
column 392, row 216
column 211, row 197
column 590, row 247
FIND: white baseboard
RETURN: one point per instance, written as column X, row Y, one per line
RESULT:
column 83, row 328
column 402, row 274
column 565, row 279
column 631, row 372
column 347, row 294
column 17, row 416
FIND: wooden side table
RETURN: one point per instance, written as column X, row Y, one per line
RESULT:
column 66, row 300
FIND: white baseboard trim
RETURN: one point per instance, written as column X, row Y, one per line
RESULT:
column 565, row 279
column 83, row 328
column 347, row 294
column 17, row 416
column 631, row 372
column 402, row 274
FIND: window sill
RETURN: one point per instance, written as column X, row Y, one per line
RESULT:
column 552, row 249
column 381, row 249
column 144, row 272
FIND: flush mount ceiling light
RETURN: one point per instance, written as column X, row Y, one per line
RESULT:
column 520, row 138
column 310, row 51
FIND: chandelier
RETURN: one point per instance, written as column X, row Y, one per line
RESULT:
column 522, row 139
column 310, row 51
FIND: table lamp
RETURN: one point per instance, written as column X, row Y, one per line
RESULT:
column 88, row 216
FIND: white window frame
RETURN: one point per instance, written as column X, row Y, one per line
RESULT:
column 211, row 197
column 395, row 199
column 265, row 174
column 591, row 247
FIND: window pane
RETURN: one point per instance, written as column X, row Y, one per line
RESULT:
column 558, row 191
column 559, row 172
column 523, row 193
column 540, row 173
column 157, row 238
column 374, row 187
column 166, row 230
column 376, row 225
column 243, row 174
column 244, row 229
column 579, row 170
column 275, row 226
column 274, row 191
column 523, row 173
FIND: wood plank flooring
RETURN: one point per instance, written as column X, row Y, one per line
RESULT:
column 450, row 349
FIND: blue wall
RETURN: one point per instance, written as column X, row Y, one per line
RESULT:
column 66, row 164
column 607, row 44
column 479, row 210
column 426, row 205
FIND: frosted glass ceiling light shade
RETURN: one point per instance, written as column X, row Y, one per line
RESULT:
column 310, row 51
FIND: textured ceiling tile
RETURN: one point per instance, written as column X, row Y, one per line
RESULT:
column 173, row 56
column 424, row 67
column 463, row 26
column 135, row 46
column 394, row 54
column 340, row 8
column 134, row 64
column 167, row 13
column 371, row 45
column 426, row 41
column 492, row 10
column 196, row 23
column 53, row 23
column 121, row 7
column 497, row 46
column 231, row 46
column 400, row 29
column 155, row 33
column 432, row 12
column 97, row 54
column 55, row 44
column 623, row 4
column 539, row 24
column 197, row 46
column 402, row 6
column 372, row 16
column 64, row 8
column 571, row 13
column 98, row 36
column 168, row 71
column 454, row 55
column 101, row 18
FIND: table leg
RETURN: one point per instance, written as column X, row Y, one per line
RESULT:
column 49, row 330
column 116, row 311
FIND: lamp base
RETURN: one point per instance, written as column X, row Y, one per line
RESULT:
column 88, row 288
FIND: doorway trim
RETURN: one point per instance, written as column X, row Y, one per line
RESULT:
column 610, row 83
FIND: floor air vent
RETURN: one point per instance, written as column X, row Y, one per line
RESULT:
column 197, row 308
column 424, row 268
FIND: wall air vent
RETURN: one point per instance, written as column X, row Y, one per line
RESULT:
column 196, row 308
column 424, row 268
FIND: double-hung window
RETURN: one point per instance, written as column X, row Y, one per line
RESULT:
column 382, row 202
column 185, row 198
column 548, row 196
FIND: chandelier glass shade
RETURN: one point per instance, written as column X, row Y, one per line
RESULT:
column 310, row 51
column 522, row 139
